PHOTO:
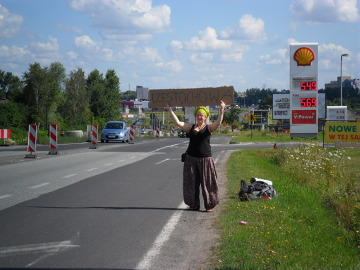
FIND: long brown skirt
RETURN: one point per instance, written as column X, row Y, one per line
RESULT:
column 200, row 172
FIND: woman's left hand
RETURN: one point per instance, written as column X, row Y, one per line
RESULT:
column 222, row 105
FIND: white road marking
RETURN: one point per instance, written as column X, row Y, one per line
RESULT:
column 162, row 161
column 109, row 164
column 39, row 186
column 5, row 196
column 69, row 175
column 217, row 157
column 161, row 239
column 92, row 169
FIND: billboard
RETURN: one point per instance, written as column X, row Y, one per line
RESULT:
column 189, row 97
column 341, row 131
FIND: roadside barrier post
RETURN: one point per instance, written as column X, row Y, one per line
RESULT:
column 172, row 134
column 32, row 136
column 132, row 134
column 53, row 140
column 94, row 136
column 5, row 134
column 157, row 131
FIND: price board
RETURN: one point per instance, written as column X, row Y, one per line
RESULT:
column 304, row 89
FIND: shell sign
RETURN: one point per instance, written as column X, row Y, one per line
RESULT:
column 304, row 56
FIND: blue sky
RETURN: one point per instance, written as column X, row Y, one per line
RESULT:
column 181, row 43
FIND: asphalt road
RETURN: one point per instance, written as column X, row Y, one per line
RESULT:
column 115, row 207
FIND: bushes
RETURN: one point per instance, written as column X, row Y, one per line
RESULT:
column 332, row 172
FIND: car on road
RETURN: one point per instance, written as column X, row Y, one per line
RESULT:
column 115, row 131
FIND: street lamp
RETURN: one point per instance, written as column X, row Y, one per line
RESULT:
column 341, row 95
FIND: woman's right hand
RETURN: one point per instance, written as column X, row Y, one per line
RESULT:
column 167, row 107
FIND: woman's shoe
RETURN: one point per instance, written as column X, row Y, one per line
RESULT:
column 210, row 210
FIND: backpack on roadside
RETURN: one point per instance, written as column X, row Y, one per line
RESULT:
column 257, row 189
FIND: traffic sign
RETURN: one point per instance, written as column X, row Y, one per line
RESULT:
column 251, row 117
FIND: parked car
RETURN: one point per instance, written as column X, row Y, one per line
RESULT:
column 115, row 131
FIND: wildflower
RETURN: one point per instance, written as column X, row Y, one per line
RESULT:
column 349, row 158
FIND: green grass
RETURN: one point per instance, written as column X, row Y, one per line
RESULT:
column 297, row 230
column 265, row 136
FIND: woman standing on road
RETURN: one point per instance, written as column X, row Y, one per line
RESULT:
column 199, row 166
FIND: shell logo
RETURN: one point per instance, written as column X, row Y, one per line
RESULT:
column 304, row 56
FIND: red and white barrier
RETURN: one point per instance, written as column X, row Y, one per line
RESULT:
column 132, row 134
column 172, row 134
column 5, row 133
column 158, row 132
column 94, row 136
column 53, row 139
column 32, row 136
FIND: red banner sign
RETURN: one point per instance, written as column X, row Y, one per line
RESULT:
column 304, row 117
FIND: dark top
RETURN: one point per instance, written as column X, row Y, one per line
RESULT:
column 199, row 145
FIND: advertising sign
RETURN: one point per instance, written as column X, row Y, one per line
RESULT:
column 341, row 131
column 304, row 117
column 281, row 106
column 189, row 97
column 304, row 100
column 337, row 113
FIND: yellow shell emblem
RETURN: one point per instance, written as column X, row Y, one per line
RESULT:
column 304, row 56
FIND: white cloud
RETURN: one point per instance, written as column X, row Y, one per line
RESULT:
column 330, row 54
column 275, row 58
column 72, row 55
column 207, row 40
column 13, row 54
column 325, row 11
column 249, row 28
column 9, row 23
column 172, row 66
column 85, row 43
column 51, row 46
column 125, row 17
column 150, row 54
column 44, row 53
column 201, row 57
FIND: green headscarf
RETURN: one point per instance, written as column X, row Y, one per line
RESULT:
column 203, row 110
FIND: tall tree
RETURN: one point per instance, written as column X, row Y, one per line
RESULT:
column 43, row 87
column 76, row 107
column 34, row 92
column 96, row 90
column 54, row 90
column 232, row 117
column 113, row 96
column 11, row 86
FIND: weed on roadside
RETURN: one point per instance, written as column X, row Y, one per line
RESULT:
column 295, row 231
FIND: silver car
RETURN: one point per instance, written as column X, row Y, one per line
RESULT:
column 115, row 131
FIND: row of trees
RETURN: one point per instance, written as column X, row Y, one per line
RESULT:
column 46, row 95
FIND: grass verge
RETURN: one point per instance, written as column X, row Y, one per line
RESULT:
column 298, row 230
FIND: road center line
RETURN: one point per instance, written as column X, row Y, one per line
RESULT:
column 162, row 161
column 5, row 196
column 161, row 239
column 39, row 186
column 69, row 175
column 92, row 169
